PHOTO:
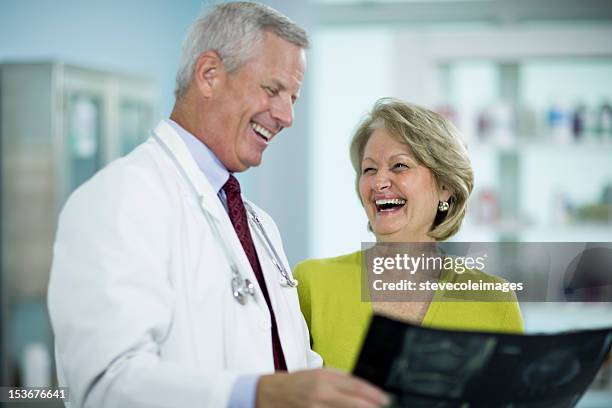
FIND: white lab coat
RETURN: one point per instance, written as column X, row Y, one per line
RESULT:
column 139, row 293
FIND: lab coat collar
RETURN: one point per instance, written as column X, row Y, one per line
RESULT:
column 208, row 197
column 206, row 159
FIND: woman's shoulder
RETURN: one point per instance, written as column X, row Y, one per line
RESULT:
column 323, row 266
column 479, row 301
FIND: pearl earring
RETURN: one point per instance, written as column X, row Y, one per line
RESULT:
column 443, row 206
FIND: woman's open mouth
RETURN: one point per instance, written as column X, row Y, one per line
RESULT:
column 389, row 205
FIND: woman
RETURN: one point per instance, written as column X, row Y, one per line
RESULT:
column 413, row 178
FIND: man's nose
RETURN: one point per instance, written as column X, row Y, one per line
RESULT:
column 282, row 111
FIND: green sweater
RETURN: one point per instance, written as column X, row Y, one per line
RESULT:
column 330, row 299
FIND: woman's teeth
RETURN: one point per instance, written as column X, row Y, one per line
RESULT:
column 261, row 131
column 389, row 204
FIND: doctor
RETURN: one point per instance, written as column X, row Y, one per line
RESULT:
column 168, row 289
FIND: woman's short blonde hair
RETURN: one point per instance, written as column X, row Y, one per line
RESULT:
column 435, row 144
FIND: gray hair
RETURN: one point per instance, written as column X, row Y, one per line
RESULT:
column 235, row 31
column 435, row 143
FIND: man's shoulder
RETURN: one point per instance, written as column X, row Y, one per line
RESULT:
column 143, row 161
column 138, row 175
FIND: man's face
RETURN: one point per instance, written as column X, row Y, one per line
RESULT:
column 255, row 102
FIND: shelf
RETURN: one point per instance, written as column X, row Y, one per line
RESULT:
column 550, row 147
column 578, row 232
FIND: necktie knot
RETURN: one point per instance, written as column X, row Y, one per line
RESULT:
column 231, row 185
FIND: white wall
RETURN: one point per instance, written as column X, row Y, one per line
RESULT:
column 353, row 69
column 137, row 36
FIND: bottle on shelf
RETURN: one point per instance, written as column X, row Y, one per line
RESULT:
column 496, row 124
column 487, row 211
column 558, row 122
column 579, row 122
column 484, row 125
column 604, row 122
column 503, row 124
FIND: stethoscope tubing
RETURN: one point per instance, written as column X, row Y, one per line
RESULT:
column 241, row 287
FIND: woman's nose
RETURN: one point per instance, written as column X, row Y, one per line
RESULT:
column 381, row 182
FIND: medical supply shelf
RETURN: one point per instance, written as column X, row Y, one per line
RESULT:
column 534, row 178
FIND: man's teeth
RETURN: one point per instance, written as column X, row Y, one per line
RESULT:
column 386, row 201
column 262, row 131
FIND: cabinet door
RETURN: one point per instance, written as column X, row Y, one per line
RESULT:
column 135, row 122
column 83, row 134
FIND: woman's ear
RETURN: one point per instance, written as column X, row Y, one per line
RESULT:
column 208, row 72
column 444, row 194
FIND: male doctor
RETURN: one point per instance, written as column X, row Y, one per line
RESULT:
column 164, row 290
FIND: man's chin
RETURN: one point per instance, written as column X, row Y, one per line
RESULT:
column 245, row 165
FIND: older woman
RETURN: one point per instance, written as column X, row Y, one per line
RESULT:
column 413, row 178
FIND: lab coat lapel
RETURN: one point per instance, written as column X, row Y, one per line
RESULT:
column 278, row 296
column 208, row 198
column 209, row 202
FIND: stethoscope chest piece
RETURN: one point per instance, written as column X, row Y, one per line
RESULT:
column 241, row 288
column 288, row 283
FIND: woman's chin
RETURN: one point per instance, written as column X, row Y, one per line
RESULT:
column 395, row 235
column 386, row 235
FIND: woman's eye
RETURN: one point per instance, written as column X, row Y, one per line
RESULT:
column 367, row 170
column 400, row 166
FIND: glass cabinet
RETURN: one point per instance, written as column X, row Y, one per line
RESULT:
column 59, row 125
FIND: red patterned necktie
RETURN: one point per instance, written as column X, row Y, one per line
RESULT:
column 237, row 214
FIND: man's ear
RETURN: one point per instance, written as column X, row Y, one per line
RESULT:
column 208, row 72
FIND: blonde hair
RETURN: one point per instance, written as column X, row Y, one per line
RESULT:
column 435, row 144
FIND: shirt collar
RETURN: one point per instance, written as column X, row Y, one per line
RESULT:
column 207, row 161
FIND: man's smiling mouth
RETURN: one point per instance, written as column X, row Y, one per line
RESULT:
column 264, row 133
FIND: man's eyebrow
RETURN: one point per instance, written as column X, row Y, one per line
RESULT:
column 278, row 84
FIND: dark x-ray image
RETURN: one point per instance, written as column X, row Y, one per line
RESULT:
column 434, row 365
column 431, row 368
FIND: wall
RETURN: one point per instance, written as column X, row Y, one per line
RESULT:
column 139, row 36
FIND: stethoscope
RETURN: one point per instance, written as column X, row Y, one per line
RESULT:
column 241, row 287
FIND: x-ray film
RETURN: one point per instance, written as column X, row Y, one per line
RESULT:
column 424, row 367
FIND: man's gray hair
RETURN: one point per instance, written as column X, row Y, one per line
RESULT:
column 235, row 31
